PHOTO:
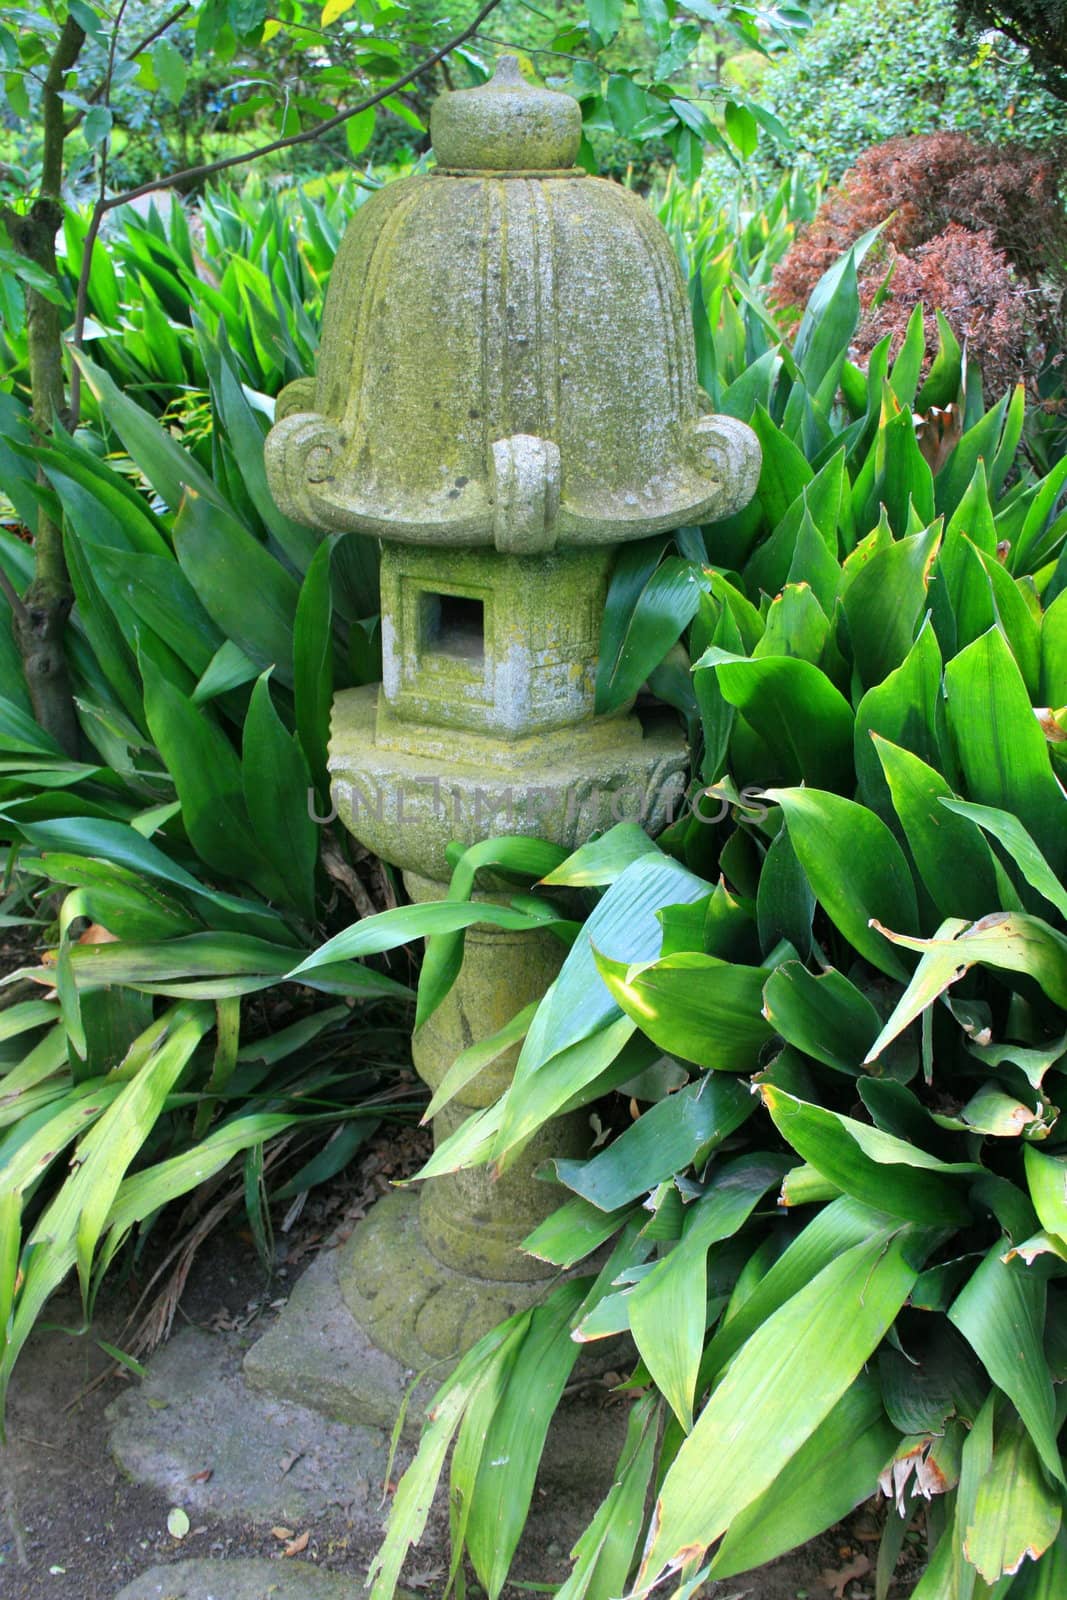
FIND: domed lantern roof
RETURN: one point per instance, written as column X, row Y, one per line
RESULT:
column 507, row 358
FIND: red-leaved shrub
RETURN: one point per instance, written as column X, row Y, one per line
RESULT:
column 976, row 230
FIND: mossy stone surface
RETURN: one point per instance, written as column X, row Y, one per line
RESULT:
column 407, row 790
column 506, row 125
column 507, row 359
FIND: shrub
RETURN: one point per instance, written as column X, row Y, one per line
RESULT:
column 874, row 69
column 977, row 230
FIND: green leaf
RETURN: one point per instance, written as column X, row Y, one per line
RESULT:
column 855, row 867
column 170, row 69
column 826, row 1016
column 811, row 1349
column 694, row 1006
column 1011, row 941
column 874, row 1167
column 664, row 608
column 833, row 1472
column 207, row 776
column 97, row 125
column 512, row 1444
column 885, row 602
column 415, row 1492
column 601, row 861
column 404, row 923
column 1019, row 845
column 605, row 1550
column 669, row 1306
column 606, row 17
column 785, row 904
column 795, row 709
column 953, row 860
column 1001, row 1314
column 573, row 1231
column 168, row 468
column 245, row 591
column 784, row 469
column 1046, row 1177
column 313, row 663
column 663, row 1141
column 277, row 783
column 903, row 708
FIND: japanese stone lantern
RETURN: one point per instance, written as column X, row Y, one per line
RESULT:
column 506, row 393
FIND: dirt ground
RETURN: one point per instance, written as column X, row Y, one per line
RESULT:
column 72, row 1527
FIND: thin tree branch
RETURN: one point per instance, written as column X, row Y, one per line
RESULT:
column 104, row 86
column 308, row 136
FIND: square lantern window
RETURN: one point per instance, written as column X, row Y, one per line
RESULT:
column 493, row 643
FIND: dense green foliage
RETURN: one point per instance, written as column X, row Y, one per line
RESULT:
column 838, row 987
column 206, row 636
column 873, row 69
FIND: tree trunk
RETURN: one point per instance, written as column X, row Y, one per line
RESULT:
column 40, row 620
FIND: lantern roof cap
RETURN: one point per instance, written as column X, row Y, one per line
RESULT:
column 506, row 125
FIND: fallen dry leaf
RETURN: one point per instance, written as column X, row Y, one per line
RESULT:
column 297, row 1545
column 282, row 1533
column 838, row 1582
column 202, row 1477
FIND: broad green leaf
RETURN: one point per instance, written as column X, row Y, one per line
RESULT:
column 795, row 709
column 874, row 1167
column 1002, row 749
column 1008, row 940
column 277, row 782
column 604, row 1552
column 885, row 602
column 1019, row 845
column 1001, row 1314
column 904, row 708
column 784, row 470
column 952, row 858
column 855, row 868
column 694, row 1006
column 664, row 608
column 662, row 1141
column 624, row 927
column 416, row 1490
column 834, row 1229
column 811, row 1349
column 668, row 1308
column 511, row 1453
column 833, row 1472
column 169, row 469
column 573, row 1231
column 826, row 1016
column 207, row 776
column 313, row 664
column 1046, row 1177
column 245, row 591
column 601, row 861
column 785, row 904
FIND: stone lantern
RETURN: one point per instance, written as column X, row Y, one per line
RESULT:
column 506, row 393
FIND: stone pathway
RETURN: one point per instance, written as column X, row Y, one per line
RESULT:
column 241, row 1580
column 195, row 1431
